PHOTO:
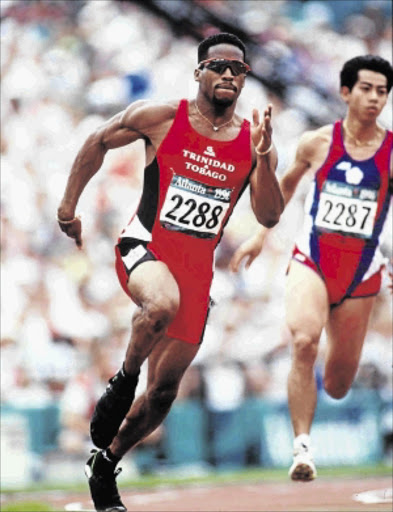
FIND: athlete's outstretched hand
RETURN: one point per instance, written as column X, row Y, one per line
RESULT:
column 249, row 249
column 73, row 230
column 262, row 129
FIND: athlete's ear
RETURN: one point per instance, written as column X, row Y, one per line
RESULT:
column 345, row 93
column 197, row 74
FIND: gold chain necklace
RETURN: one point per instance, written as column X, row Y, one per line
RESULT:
column 215, row 128
column 357, row 141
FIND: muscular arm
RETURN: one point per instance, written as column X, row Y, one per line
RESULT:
column 120, row 130
column 266, row 198
column 303, row 162
column 141, row 120
column 301, row 165
column 310, row 154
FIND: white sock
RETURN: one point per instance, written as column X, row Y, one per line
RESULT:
column 302, row 440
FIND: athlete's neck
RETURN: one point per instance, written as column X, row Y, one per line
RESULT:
column 216, row 113
column 362, row 134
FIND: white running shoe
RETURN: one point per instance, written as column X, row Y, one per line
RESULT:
column 303, row 467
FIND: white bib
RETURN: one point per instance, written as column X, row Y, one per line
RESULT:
column 347, row 209
column 194, row 208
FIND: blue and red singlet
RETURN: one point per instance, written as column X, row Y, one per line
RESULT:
column 189, row 192
column 345, row 211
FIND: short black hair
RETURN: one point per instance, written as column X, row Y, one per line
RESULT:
column 221, row 38
column 349, row 72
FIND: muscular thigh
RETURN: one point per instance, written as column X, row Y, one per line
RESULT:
column 306, row 300
column 346, row 329
column 152, row 281
column 174, row 283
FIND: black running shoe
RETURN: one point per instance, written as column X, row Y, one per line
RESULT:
column 112, row 408
column 101, row 474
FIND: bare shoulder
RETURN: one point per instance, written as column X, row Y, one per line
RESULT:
column 144, row 114
column 318, row 136
column 315, row 141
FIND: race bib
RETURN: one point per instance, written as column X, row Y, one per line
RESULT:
column 347, row 209
column 194, row 208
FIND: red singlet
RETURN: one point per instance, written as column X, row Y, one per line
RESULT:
column 189, row 192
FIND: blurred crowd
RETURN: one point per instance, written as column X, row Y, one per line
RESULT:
column 65, row 321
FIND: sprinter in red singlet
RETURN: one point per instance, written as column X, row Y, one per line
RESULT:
column 335, row 271
column 200, row 157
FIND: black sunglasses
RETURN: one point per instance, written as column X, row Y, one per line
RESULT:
column 220, row 65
